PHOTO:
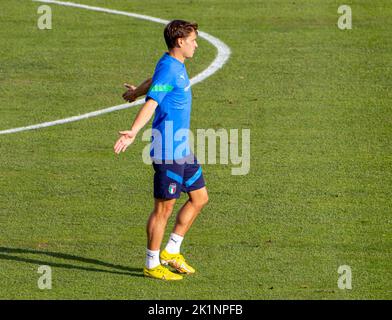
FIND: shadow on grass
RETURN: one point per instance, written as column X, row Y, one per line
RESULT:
column 5, row 254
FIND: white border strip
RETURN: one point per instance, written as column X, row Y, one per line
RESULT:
column 220, row 59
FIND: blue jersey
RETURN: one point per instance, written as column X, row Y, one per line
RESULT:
column 171, row 89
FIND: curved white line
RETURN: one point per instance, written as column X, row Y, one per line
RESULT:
column 220, row 59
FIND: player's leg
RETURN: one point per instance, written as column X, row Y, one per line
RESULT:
column 156, row 226
column 190, row 210
column 194, row 185
column 157, row 222
column 185, row 218
column 165, row 195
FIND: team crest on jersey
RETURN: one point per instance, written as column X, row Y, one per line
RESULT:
column 172, row 188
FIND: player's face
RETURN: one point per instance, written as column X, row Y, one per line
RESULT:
column 189, row 45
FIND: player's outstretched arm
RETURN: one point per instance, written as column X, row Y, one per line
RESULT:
column 128, row 137
column 133, row 92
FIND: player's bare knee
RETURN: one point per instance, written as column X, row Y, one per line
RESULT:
column 205, row 200
column 200, row 201
column 165, row 211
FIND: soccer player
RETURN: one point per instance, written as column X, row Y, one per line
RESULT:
column 169, row 96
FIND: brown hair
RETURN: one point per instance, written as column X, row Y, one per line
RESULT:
column 178, row 29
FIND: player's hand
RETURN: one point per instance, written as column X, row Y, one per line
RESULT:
column 130, row 94
column 127, row 138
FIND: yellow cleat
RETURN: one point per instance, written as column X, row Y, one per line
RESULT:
column 176, row 261
column 160, row 272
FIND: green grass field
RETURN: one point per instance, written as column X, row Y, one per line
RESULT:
column 317, row 100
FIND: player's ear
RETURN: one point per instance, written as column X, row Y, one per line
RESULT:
column 180, row 42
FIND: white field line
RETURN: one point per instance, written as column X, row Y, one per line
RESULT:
column 220, row 59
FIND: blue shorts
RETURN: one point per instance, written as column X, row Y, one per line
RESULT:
column 170, row 179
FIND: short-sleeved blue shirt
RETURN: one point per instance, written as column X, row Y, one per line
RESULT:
column 171, row 89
